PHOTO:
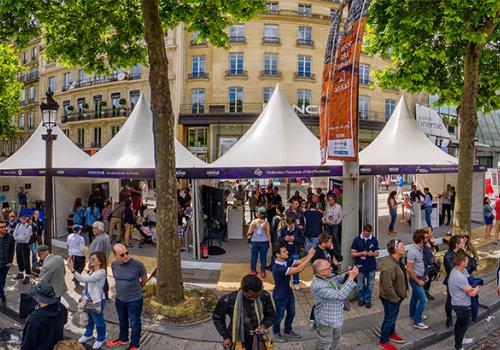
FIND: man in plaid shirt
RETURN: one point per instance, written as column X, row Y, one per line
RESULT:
column 328, row 295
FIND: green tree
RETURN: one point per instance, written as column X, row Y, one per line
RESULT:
column 444, row 47
column 102, row 35
column 10, row 91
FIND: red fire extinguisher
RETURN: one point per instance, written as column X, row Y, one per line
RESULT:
column 204, row 251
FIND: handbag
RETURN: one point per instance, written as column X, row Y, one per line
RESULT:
column 91, row 308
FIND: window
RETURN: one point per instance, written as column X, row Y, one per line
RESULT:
column 273, row 6
column 267, row 93
column 21, row 122
column 134, row 97
column 66, row 132
column 97, row 106
column 114, row 130
column 115, row 103
column 270, row 63
column 67, row 80
column 81, row 75
column 197, row 137
column 198, row 101
column 97, row 137
column 52, row 84
column 31, row 120
column 390, row 105
column 235, row 100
column 81, row 137
column 198, row 66
column 23, row 96
column 25, row 57
column 304, row 66
column 236, row 63
column 364, row 74
column 34, row 53
column 135, row 72
column 196, row 37
column 66, row 104
column 81, row 111
column 364, row 106
column 32, row 94
column 303, row 97
column 304, row 10
column 305, row 36
column 237, row 33
column 271, row 33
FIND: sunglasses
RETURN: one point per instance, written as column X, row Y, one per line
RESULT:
column 124, row 254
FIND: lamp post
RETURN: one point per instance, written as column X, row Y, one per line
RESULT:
column 49, row 114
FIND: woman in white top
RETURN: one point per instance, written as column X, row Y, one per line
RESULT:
column 93, row 293
column 259, row 234
column 75, row 244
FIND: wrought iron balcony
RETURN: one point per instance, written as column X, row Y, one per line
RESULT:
column 194, row 43
column 96, row 144
column 79, row 116
column 101, row 80
column 29, row 77
column 237, row 39
column 236, row 73
column 270, row 74
column 198, row 75
column 304, row 76
column 305, row 42
column 292, row 13
column 271, row 40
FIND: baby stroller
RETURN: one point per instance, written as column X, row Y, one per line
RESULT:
column 148, row 233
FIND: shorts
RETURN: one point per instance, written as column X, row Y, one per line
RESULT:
column 488, row 220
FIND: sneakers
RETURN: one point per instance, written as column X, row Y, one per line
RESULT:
column 98, row 344
column 297, row 286
column 26, row 280
column 253, row 273
column 84, row 338
column 115, row 343
column 468, row 341
column 368, row 305
column 397, row 339
column 387, row 346
column 421, row 325
column 361, row 303
column 294, row 335
column 429, row 296
column 18, row 276
column 279, row 338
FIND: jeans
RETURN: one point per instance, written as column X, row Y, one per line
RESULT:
column 428, row 220
column 97, row 320
column 327, row 337
column 33, row 253
column 461, row 325
column 418, row 301
column 23, row 257
column 334, row 231
column 311, row 243
column 394, row 216
column 130, row 311
column 3, row 279
column 259, row 248
column 447, row 305
column 447, row 213
column 365, row 285
column 291, row 258
column 283, row 305
column 391, row 311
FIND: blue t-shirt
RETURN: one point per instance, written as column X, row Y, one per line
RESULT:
column 360, row 244
column 312, row 223
column 282, row 289
column 92, row 214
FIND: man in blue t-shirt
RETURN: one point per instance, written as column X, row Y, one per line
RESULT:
column 284, row 299
column 312, row 230
column 293, row 236
column 365, row 250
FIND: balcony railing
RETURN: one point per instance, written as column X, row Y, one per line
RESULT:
column 293, row 13
column 270, row 73
column 195, row 43
column 100, row 80
column 197, row 75
column 29, row 78
column 304, row 76
column 221, row 108
column 236, row 73
column 271, row 40
column 80, row 145
column 305, row 42
column 237, row 39
column 92, row 115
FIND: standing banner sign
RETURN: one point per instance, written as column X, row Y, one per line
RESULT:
column 339, row 92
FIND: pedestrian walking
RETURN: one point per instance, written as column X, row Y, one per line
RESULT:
column 44, row 327
column 53, row 271
column 130, row 277
column 364, row 250
column 329, row 294
column 432, row 264
column 292, row 237
column 392, row 204
column 7, row 247
column 489, row 218
column 106, row 215
column 251, row 312
column 259, row 235
column 428, row 207
column 446, row 203
column 312, row 230
column 252, row 203
column 22, row 235
column 93, row 294
column 455, row 244
column 295, row 212
column 22, row 200
column 415, row 266
column 332, row 218
column 461, row 293
column 75, row 244
column 284, row 299
column 393, row 290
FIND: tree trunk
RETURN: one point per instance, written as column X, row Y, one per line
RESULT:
column 468, row 125
column 169, row 287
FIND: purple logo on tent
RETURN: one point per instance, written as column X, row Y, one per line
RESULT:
column 258, row 172
column 213, row 173
column 19, row 172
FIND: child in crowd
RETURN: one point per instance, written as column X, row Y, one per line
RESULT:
column 76, row 244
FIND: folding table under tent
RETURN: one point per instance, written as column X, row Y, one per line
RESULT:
column 27, row 167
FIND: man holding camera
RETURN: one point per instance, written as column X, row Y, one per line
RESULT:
column 328, row 296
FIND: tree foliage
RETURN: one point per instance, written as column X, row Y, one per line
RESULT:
column 10, row 90
column 427, row 40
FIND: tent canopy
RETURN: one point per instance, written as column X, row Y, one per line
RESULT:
column 29, row 160
column 278, row 144
column 131, row 152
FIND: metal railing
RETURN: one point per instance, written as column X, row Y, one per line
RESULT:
column 271, row 40
column 298, row 14
column 305, row 42
column 29, row 77
column 221, row 108
column 304, row 76
column 96, row 145
column 198, row 75
column 237, row 39
column 101, row 80
column 270, row 73
column 92, row 115
column 236, row 73
column 195, row 43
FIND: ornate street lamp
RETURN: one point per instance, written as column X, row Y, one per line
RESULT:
column 49, row 114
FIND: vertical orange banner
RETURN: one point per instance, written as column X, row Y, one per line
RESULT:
column 339, row 97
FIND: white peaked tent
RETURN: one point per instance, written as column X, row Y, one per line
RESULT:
column 132, row 148
column 278, row 144
column 402, row 142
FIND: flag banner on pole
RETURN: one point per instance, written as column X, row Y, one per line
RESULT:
column 339, row 91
